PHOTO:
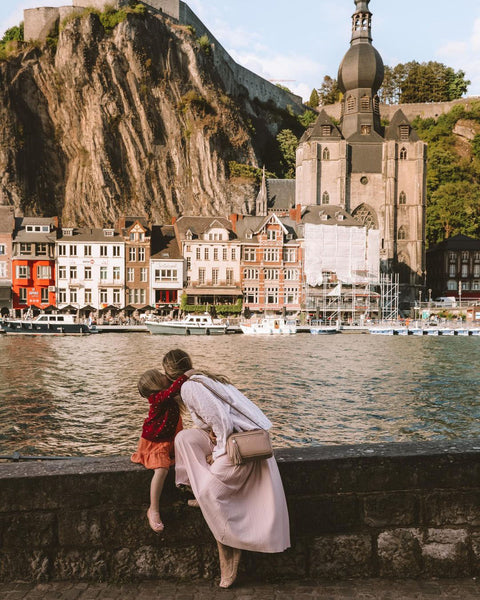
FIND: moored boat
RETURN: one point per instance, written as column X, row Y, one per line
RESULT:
column 45, row 325
column 191, row 325
column 324, row 329
column 269, row 326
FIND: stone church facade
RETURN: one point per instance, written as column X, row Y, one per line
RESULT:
column 376, row 173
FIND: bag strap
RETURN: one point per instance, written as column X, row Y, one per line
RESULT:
column 215, row 393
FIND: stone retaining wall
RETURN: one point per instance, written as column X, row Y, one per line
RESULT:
column 388, row 510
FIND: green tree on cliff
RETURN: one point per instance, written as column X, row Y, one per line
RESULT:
column 288, row 143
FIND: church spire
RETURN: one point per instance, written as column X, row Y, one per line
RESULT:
column 361, row 22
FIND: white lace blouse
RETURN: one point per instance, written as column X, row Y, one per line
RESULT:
column 207, row 410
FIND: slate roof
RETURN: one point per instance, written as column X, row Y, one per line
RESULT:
column 7, row 219
column 393, row 130
column 86, row 234
column 280, row 194
column 329, row 214
column 456, row 242
column 199, row 225
column 21, row 235
column 316, row 131
column 164, row 243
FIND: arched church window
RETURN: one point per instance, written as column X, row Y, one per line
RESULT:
column 403, row 154
column 351, row 103
column 366, row 216
column 402, row 199
column 325, row 198
column 365, row 103
column 326, row 154
column 402, row 233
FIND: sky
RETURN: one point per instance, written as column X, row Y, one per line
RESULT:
column 298, row 44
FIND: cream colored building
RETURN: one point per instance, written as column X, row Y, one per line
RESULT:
column 376, row 173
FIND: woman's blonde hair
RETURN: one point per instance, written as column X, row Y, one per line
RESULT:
column 151, row 382
column 177, row 362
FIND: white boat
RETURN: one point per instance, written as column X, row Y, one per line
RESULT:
column 269, row 326
column 45, row 325
column 324, row 329
column 378, row 330
column 191, row 325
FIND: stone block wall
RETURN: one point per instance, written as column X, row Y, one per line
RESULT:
column 388, row 510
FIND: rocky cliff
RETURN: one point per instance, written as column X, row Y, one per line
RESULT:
column 129, row 121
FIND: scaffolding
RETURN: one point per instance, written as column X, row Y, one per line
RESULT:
column 389, row 294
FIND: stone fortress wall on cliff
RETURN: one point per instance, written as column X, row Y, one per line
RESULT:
column 238, row 81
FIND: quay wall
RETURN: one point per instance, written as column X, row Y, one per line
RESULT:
column 384, row 510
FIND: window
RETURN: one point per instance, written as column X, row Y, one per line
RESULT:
column 465, row 256
column 403, row 154
column 271, row 295
column 143, row 274
column 404, row 132
column 452, row 271
column 476, row 270
column 23, row 272
column 22, row 295
column 73, row 250
column 225, row 253
column 201, row 276
column 451, row 285
column 136, row 296
column 326, row 154
column 365, row 103
column 326, row 130
column 116, row 296
column 197, row 254
column 464, row 270
column 44, row 272
column 25, row 248
column 402, row 199
column 271, row 274
column 103, row 250
column 166, row 275
column 289, row 255
column 250, row 273
column 402, row 233
column 42, row 249
column 103, row 294
column 2, row 249
column 234, row 254
column 132, row 254
column 271, row 234
column 116, row 250
column 291, row 275
column 3, row 269
column 141, row 255
column 132, row 237
column 189, row 263
column 87, row 251
column 466, row 285
column 215, row 276
column 229, row 277
column 325, row 198
column 88, row 296
column 476, row 256
column 271, row 254
column 44, row 295
column 452, row 257
column 62, row 296
column 73, row 296
column 141, row 237
column 215, row 254
column 206, row 254
column 73, row 272
column 476, row 285
column 351, row 104
column 291, row 295
column 88, row 273
column 188, row 248
column 62, row 272
column 116, row 273
column 251, row 295
column 249, row 254
column 103, row 273
column 130, row 274
column 62, row 250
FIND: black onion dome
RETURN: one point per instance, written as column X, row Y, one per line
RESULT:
column 361, row 67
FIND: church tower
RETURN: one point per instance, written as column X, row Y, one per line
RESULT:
column 376, row 173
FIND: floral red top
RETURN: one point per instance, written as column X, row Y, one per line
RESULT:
column 164, row 414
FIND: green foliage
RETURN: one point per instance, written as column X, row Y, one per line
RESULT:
column 476, row 146
column 314, row 100
column 205, row 44
column 196, row 102
column 110, row 17
column 243, row 171
column 307, row 118
column 284, row 88
column 329, row 92
column 14, row 34
column 288, row 143
column 454, row 208
column 219, row 309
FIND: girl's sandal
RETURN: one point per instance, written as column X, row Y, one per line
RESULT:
column 154, row 521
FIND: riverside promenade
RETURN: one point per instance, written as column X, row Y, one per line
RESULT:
column 371, row 589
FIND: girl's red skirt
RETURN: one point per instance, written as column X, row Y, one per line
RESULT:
column 155, row 455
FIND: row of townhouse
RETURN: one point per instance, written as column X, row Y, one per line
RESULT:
column 259, row 260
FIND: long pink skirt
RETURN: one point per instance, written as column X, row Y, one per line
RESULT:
column 243, row 505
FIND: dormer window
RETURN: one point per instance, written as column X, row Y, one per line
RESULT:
column 67, row 230
column 365, row 103
column 340, row 217
column 189, row 235
column 249, row 235
column 326, row 130
column 403, row 154
column 38, row 228
column 326, row 154
column 108, row 232
column 404, row 132
column 324, row 217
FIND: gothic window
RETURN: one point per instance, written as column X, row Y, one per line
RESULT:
column 351, row 104
column 365, row 103
column 366, row 216
column 403, row 154
column 325, row 198
column 402, row 233
column 326, row 154
column 402, row 199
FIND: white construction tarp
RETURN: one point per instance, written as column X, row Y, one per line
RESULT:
column 353, row 253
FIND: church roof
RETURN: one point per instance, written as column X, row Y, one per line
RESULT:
column 281, row 193
column 318, row 131
column 394, row 130
column 329, row 214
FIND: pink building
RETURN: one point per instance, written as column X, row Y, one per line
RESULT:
column 7, row 226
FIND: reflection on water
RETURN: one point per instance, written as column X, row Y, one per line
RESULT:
column 77, row 396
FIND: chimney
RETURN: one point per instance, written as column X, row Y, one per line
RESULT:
column 296, row 213
column 174, row 220
column 234, row 218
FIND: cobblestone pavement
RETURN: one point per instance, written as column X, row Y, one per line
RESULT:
column 463, row 589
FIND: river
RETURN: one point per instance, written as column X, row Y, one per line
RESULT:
column 76, row 396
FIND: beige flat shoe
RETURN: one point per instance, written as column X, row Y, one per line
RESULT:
column 155, row 522
column 229, row 561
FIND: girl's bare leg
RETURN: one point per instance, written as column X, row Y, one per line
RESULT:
column 156, row 487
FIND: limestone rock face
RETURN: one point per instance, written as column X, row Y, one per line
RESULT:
column 131, row 122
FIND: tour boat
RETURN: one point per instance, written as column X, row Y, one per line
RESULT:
column 45, row 325
column 324, row 329
column 191, row 325
column 269, row 326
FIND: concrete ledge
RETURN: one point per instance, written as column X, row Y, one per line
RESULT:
column 384, row 510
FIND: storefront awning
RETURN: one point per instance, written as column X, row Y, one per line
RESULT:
column 214, row 292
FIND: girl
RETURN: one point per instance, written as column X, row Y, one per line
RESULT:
column 244, row 505
column 155, row 448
